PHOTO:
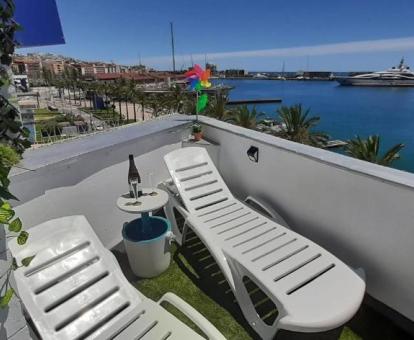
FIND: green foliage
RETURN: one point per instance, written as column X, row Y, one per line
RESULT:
column 244, row 117
column 189, row 105
column 5, row 299
column 298, row 127
column 15, row 225
column 27, row 260
column 176, row 98
column 8, row 156
column 6, row 213
column 11, row 130
column 217, row 107
column 23, row 237
column 369, row 150
column 196, row 128
column 7, row 29
column 13, row 140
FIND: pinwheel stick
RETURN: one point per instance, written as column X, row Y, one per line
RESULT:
column 196, row 107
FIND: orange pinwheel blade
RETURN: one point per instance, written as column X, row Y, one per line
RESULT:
column 206, row 75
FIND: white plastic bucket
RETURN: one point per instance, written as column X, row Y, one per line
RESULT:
column 148, row 250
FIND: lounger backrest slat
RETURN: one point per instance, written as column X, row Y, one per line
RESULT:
column 197, row 179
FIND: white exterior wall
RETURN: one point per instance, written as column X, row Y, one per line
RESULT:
column 361, row 212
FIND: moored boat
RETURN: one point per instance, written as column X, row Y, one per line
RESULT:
column 395, row 76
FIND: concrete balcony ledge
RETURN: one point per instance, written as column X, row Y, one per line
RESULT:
column 69, row 149
column 334, row 159
column 89, row 154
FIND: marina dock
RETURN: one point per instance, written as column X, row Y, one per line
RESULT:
column 335, row 144
column 254, row 101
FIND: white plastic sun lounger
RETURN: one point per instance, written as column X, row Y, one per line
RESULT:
column 75, row 289
column 312, row 290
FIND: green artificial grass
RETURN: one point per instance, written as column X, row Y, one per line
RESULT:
column 221, row 310
column 348, row 334
column 174, row 280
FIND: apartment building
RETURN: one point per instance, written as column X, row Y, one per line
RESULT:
column 57, row 67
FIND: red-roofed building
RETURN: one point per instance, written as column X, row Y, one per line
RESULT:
column 147, row 77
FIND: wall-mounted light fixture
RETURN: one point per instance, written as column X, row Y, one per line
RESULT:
column 253, row 154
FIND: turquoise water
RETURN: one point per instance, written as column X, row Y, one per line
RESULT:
column 344, row 111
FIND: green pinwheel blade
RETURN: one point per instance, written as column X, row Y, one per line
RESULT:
column 202, row 102
column 198, row 86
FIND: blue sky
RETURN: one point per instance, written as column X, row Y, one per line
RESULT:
column 255, row 35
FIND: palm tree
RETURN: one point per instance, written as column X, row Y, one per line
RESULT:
column 175, row 99
column 59, row 83
column 297, row 126
column 368, row 150
column 189, row 104
column 74, row 77
column 158, row 103
column 67, row 83
column 92, row 88
column 217, row 107
column 116, row 93
column 141, row 98
column 48, row 78
column 81, row 88
column 121, row 91
column 244, row 117
column 131, row 93
column 81, row 92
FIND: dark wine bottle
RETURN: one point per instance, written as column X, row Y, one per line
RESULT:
column 133, row 178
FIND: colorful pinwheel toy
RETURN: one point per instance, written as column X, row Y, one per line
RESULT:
column 198, row 79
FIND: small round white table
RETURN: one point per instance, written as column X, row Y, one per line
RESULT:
column 145, row 238
column 151, row 199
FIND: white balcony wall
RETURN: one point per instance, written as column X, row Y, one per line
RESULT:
column 88, row 182
column 361, row 212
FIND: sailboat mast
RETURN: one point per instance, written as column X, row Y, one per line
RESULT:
column 172, row 45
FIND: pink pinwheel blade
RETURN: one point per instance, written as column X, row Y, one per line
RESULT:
column 190, row 73
column 198, row 70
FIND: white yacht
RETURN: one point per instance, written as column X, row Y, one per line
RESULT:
column 395, row 76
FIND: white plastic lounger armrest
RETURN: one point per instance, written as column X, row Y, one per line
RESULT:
column 272, row 213
column 208, row 329
column 182, row 211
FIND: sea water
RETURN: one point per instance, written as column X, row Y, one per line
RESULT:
column 345, row 111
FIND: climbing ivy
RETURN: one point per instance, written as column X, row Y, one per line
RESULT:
column 13, row 141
